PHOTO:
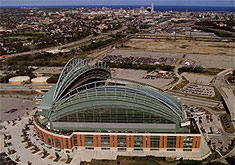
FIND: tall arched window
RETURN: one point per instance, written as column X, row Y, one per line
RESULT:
column 57, row 143
column 42, row 137
column 49, row 140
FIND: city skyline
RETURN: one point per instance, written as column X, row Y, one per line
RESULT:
column 225, row 3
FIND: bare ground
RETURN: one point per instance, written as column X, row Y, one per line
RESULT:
column 198, row 78
column 182, row 46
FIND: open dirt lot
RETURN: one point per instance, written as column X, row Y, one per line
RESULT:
column 136, row 75
column 198, row 78
column 213, row 61
column 182, row 46
column 7, row 103
column 144, row 53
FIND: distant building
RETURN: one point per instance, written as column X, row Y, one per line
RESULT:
column 186, row 12
column 152, row 7
column 149, row 9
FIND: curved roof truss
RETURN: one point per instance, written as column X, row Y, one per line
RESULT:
column 110, row 95
column 73, row 69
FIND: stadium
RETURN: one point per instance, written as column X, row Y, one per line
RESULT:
column 89, row 110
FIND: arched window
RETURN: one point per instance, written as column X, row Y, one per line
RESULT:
column 42, row 137
column 57, row 143
column 49, row 140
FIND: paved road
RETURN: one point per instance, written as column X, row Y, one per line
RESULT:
column 188, row 99
column 69, row 44
column 24, row 87
column 226, row 92
column 194, row 99
column 179, row 94
column 230, row 154
column 197, row 102
column 25, row 154
column 177, row 66
column 223, row 136
column 56, row 47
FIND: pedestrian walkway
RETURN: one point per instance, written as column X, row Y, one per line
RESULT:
column 26, row 155
column 29, row 155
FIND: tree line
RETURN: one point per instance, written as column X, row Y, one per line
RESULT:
column 147, row 67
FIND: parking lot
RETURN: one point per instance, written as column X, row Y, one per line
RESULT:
column 201, row 90
column 137, row 75
column 12, row 107
column 5, row 160
column 145, row 57
column 140, row 60
column 209, row 123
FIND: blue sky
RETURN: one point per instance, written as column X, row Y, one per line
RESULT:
column 117, row 2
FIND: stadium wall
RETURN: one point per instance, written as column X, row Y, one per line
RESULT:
column 68, row 142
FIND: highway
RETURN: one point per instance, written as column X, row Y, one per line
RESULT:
column 104, row 35
column 226, row 92
column 56, row 47
column 185, row 99
column 26, row 87
column 194, row 99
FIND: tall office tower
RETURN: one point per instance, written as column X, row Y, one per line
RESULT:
column 152, row 7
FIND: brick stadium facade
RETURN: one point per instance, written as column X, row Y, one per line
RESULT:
column 193, row 142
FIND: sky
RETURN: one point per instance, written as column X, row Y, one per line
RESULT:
column 224, row 3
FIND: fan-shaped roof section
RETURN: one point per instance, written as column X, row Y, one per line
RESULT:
column 73, row 69
column 149, row 89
